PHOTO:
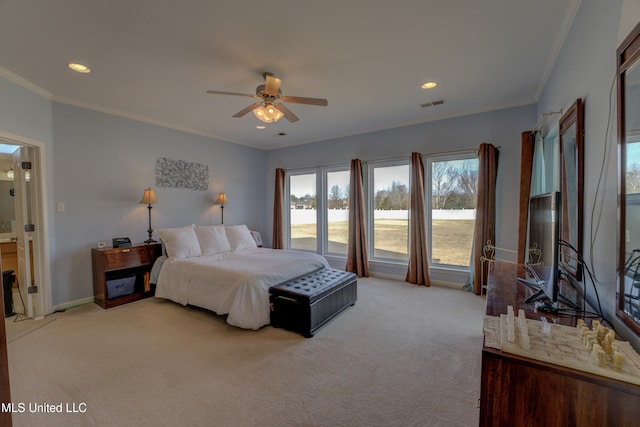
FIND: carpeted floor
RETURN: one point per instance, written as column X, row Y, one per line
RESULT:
column 402, row 356
column 19, row 325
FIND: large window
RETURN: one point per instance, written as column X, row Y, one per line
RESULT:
column 453, row 201
column 450, row 201
column 390, row 214
column 302, row 214
column 337, row 211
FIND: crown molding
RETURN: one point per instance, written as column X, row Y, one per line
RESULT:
column 20, row 81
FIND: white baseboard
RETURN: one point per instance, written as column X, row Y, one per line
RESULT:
column 71, row 304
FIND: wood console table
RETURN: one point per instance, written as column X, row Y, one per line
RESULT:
column 520, row 391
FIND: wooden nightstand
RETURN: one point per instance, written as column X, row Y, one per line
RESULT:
column 131, row 266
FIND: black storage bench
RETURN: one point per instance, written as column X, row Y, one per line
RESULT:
column 307, row 302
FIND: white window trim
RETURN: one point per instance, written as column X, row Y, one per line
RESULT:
column 370, row 200
column 427, row 161
column 368, row 167
column 324, row 216
column 287, row 210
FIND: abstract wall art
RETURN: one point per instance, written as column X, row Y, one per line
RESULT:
column 181, row 174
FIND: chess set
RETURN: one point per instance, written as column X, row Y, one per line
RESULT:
column 592, row 350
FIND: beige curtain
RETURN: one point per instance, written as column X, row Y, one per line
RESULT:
column 277, row 241
column 418, row 269
column 485, row 224
column 526, row 168
column 357, row 260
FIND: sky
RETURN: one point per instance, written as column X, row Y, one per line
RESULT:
column 633, row 153
column 301, row 185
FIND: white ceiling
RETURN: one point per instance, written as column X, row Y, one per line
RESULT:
column 154, row 60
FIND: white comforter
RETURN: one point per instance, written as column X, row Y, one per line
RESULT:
column 234, row 283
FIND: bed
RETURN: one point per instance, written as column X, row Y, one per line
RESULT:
column 219, row 268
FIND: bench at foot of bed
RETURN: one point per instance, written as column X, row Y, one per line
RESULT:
column 307, row 302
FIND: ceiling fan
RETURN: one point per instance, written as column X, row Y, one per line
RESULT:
column 267, row 109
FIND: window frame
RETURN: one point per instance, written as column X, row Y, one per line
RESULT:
column 322, row 193
column 371, row 166
column 428, row 161
column 325, row 216
column 287, row 210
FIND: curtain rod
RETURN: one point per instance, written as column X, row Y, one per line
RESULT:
column 542, row 120
column 474, row 150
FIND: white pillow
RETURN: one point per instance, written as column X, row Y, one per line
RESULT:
column 180, row 242
column 213, row 239
column 240, row 237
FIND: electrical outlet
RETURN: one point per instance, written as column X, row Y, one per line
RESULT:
column 61, row 207
column 32, row 289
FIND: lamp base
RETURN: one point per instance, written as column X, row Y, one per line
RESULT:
column 149, row 241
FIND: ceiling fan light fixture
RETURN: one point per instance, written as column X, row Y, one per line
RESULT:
column 268, row 113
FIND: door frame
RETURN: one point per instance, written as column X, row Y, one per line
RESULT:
column 42, row 261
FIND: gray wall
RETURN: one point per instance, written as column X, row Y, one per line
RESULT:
column 102, row 165
column 586, row 68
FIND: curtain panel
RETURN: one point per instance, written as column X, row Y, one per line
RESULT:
column 526, row 169
column 538, row 170
column 485, row 224
column 418, row 268
column 357, row 259
column 277, row 240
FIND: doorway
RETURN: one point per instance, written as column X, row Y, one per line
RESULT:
column 22, row 224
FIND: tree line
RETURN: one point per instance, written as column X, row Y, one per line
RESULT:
column 451, row 188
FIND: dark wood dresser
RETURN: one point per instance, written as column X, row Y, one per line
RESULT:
column 521, row 391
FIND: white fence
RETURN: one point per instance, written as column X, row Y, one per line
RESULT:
column 308, row 216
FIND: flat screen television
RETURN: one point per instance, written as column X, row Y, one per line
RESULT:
column 544, row 234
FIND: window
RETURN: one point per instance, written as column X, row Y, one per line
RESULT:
column 337, row 211
column 302, row 212
column 390, row 213
column 454, row 181
column 450, row 201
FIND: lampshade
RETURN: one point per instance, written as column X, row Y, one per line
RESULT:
column 268, row 113
column 149, row 197
column 222, row 199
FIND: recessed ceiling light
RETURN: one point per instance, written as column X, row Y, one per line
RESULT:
column 261, row 127
column 429, row 85
column 79, row 68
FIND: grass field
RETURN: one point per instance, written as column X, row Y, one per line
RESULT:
column 451, row 239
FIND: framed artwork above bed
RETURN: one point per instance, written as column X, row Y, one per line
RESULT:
column 181, row 174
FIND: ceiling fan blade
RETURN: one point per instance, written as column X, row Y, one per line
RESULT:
column 218, row 92
column 246, row 110
column 302, row 100
column 288, row 114
column 271, row 84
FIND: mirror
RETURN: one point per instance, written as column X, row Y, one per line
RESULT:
column 628, row 80
column 571, row 189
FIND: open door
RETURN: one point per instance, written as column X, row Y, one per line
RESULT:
column 25, row 182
